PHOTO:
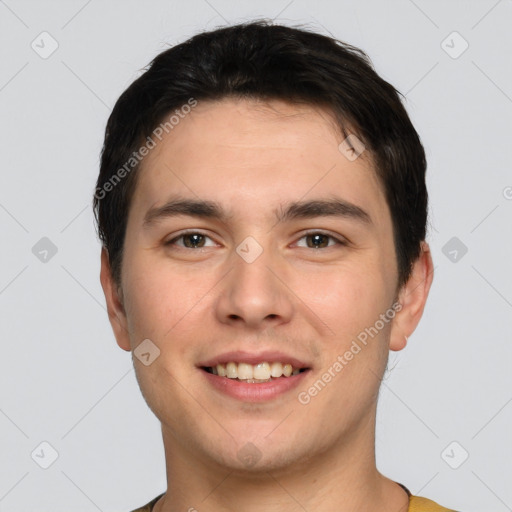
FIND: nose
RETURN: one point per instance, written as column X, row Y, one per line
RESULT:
column 254, row 294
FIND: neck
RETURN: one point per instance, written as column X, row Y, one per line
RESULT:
column 343, row 478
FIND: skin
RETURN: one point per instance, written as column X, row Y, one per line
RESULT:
column 252, row 158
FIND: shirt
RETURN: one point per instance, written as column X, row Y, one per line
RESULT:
column 416, row 504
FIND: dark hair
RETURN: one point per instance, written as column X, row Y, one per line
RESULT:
column 258, row 60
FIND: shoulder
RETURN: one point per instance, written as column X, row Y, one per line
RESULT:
column 148, row 507
column 419, row 504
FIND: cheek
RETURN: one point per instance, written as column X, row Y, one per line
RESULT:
column 153, row 301
column 145, row 308
column 355, row 354
column 163, row 300
column 347, row 299
column 158, row 305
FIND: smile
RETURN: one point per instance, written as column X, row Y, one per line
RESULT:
column 243, row 381
column 254, row 373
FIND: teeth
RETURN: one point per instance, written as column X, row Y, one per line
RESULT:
column 287, row 370
column 276, row 369
column 260, row 372
column 232, row 371
column 245, row 371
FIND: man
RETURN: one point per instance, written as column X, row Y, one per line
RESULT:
column 262, row 207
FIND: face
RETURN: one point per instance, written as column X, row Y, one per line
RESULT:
column 252, row 273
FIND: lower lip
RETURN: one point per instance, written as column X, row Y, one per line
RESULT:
column 257, row 392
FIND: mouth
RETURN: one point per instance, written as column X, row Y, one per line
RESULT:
column 262, row 377
column 254, row 373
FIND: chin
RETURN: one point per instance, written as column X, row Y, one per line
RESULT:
column 258, row 454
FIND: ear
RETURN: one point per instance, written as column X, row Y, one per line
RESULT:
column 412, row 297
column 115, row 308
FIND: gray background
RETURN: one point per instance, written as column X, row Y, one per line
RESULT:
column 63, row 379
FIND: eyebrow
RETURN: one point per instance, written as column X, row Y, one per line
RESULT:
column 333, row 207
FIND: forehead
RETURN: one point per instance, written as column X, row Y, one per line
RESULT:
column 246, row 151
column 250, row 124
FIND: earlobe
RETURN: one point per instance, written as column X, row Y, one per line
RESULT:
column 114, row 301
column 412, row 297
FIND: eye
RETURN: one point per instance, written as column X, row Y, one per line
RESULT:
column 191, row 240
column 197, row 240
column 320, row 240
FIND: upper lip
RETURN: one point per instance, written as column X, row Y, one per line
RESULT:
column 240, row 356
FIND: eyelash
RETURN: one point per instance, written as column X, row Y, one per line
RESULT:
column 338, row 241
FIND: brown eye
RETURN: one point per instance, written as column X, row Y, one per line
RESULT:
column 190, row 240
column 319, row 240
